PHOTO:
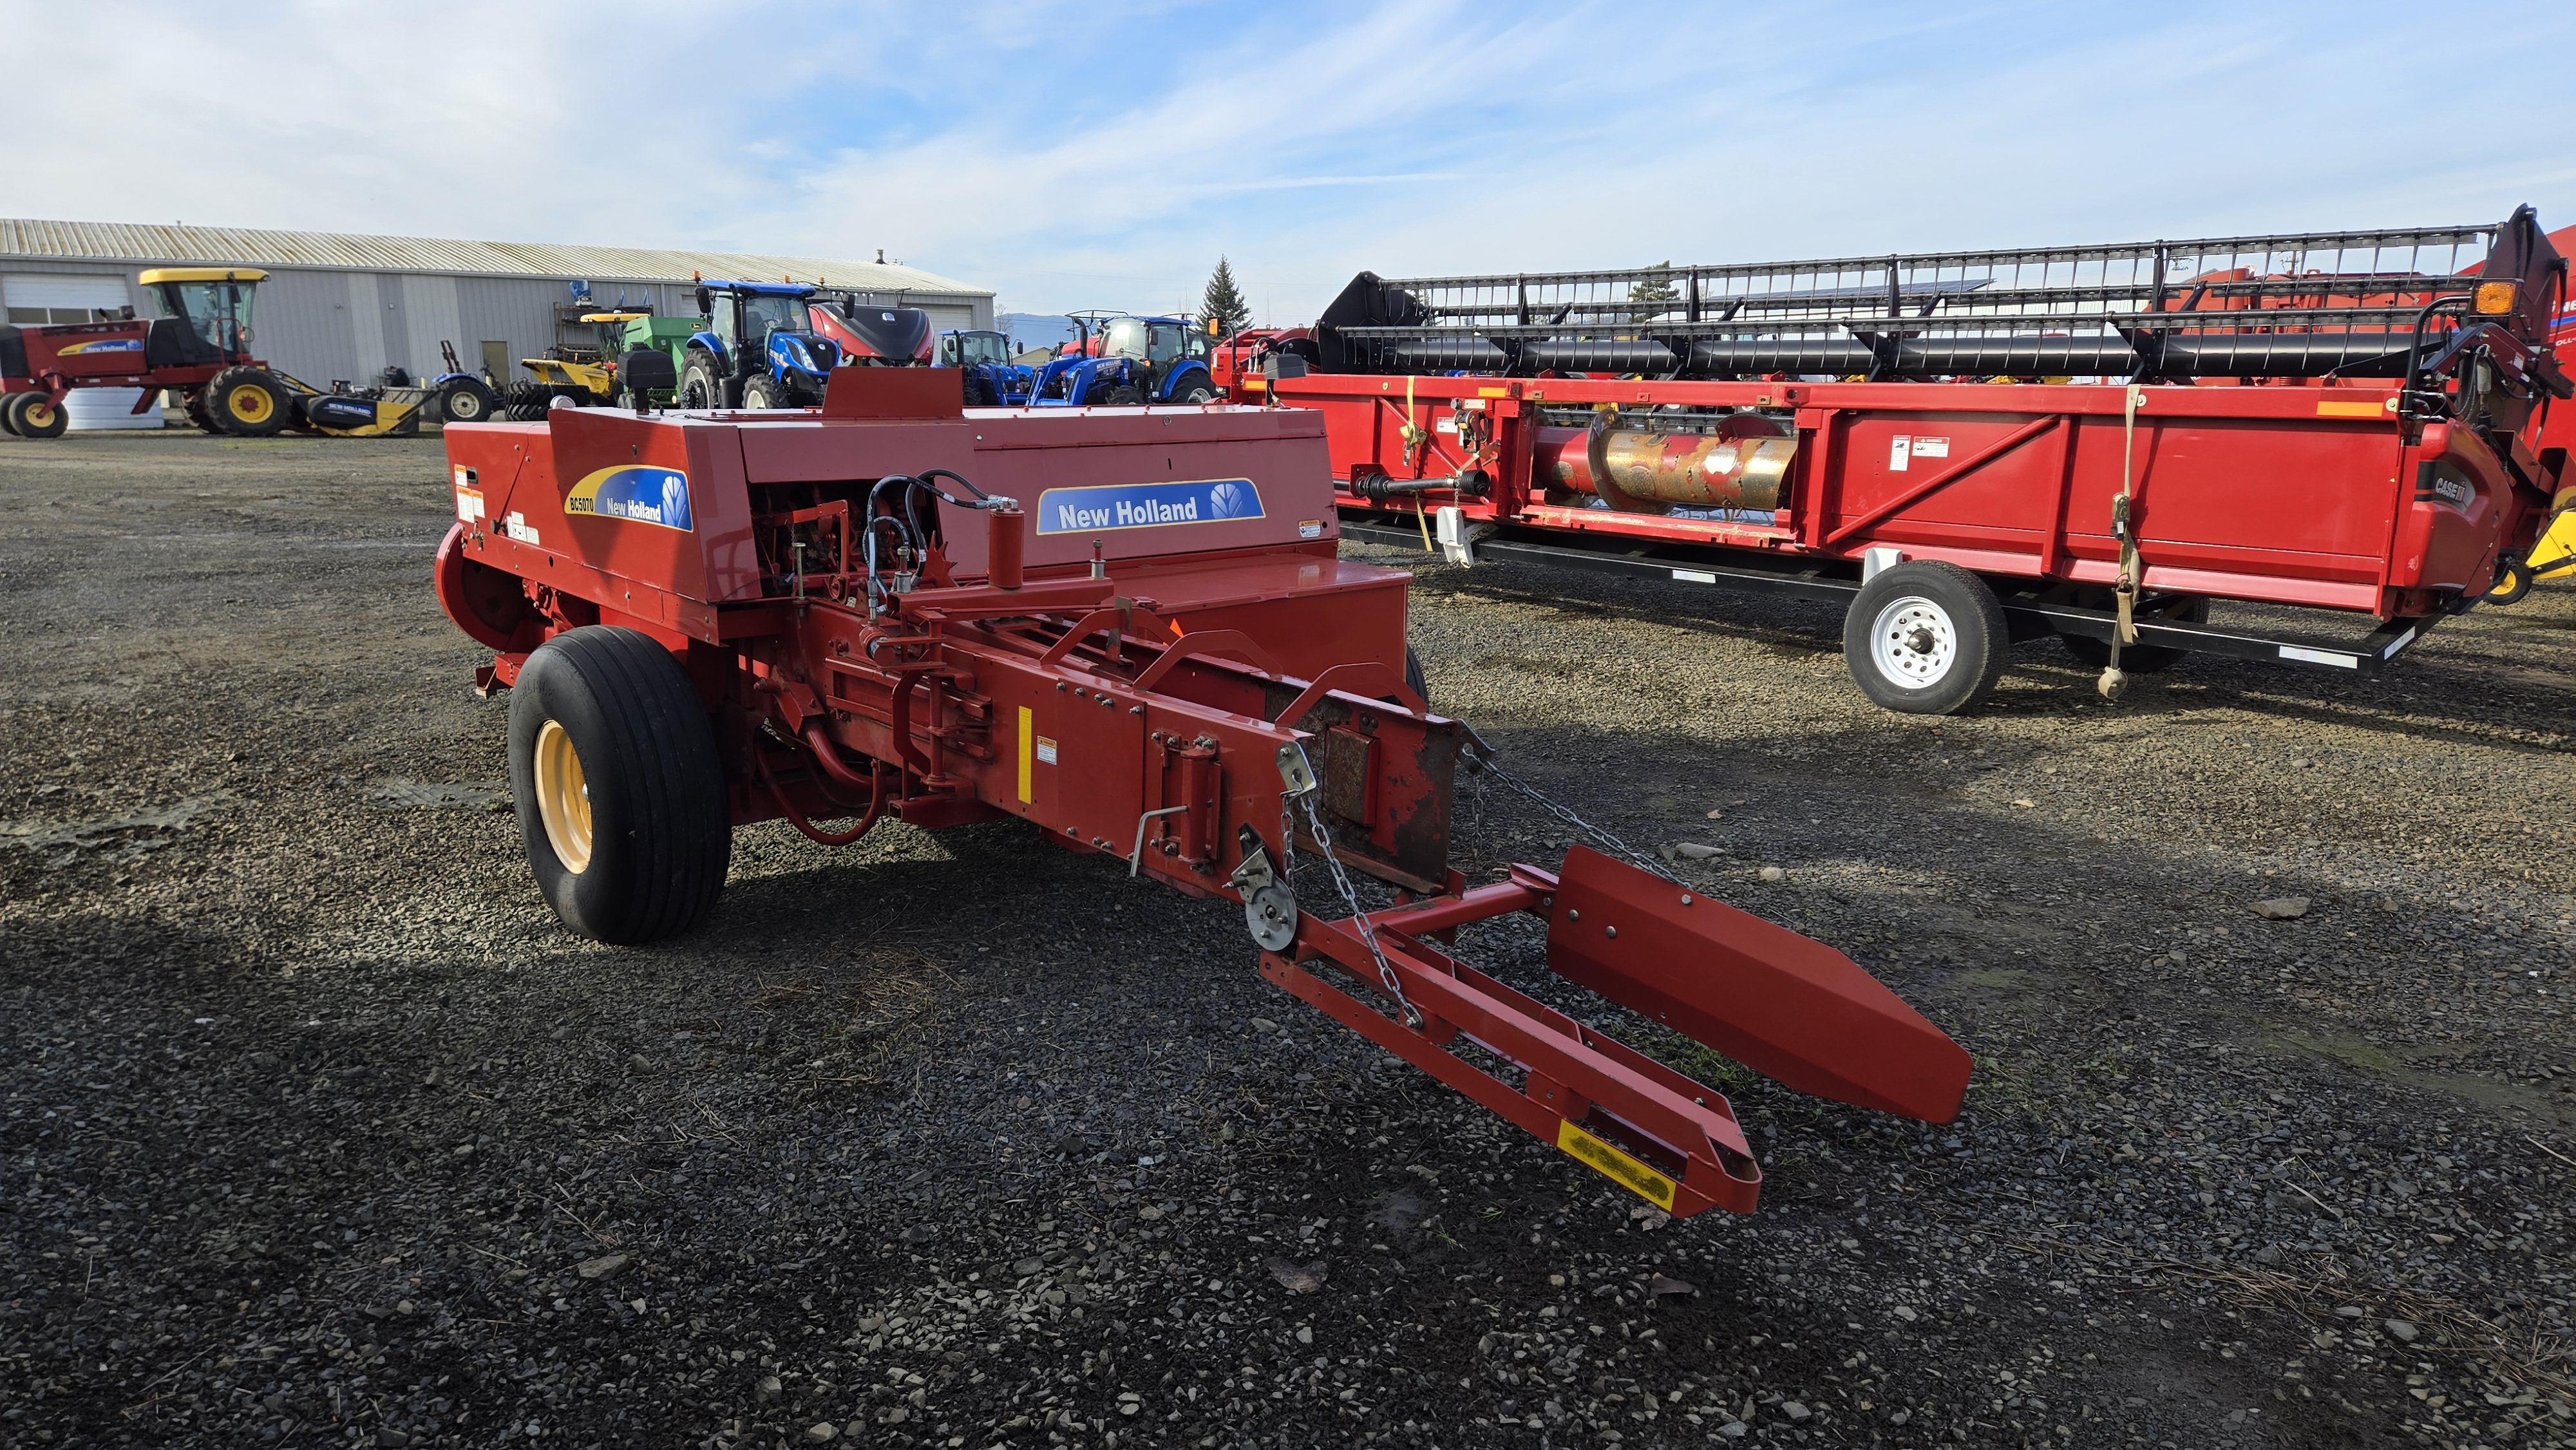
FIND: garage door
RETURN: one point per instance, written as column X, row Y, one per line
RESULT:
column 62, row 299
column 41, row 299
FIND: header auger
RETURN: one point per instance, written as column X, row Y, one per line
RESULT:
column 1130, row 628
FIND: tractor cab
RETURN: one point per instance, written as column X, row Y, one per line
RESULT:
column 973, row 349
column 759, row 349
column 205, row 315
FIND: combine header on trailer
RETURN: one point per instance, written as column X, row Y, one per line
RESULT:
column 1127, row 627
column 1965, row 448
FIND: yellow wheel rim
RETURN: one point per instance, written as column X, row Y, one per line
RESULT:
column 563, row 797
column 38, row 415
column 250, row 405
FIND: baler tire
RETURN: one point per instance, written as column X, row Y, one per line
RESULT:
column 653, row 824
column 37, row 415
column 2135, row 659
column 248, row 402
column 1944, row 633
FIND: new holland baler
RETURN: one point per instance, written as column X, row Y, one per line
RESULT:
column 1127, row 627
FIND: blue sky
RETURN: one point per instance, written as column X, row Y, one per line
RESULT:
column 1086, row 155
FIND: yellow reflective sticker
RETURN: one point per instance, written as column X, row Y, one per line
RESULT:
column 1028, row 749
column 2352, row 410
column 1616, row 1166
column 1493, row 392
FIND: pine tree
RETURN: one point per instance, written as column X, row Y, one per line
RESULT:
column 1223, row 303
column 1663, row 291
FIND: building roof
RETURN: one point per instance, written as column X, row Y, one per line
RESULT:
column 137, row 242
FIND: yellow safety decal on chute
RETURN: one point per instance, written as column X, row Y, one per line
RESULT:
column 1616, row 1166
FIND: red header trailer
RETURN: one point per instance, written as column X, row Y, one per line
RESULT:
column 1969, row 448
column 1130, row 630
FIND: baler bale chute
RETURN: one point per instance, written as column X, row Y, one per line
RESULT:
column 843, row 615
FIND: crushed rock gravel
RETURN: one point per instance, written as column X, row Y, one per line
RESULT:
column 315, row 1129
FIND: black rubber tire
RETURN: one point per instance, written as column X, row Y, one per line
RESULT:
column 1413, row 674
column 763, row 393
column 2135, row 659
column 1946, row 600
column 977, row 395
column 662, row 830
column 2513, row 580
column 1199, row 389
column 1125, row 395
column 35, row 415
column 9, row 414
column 199, row 414
column 466, row 402
column 525, row 402
column 228, row 397
column 700, row 385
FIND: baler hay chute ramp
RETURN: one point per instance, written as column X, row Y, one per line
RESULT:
column 1969, row 448
column 1128, row 627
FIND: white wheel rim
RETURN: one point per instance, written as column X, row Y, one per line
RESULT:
column 1913, row 643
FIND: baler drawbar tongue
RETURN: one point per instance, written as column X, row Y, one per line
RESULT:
column 1789, row 1007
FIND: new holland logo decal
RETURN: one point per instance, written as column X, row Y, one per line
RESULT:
column 104, row 344
column 1106, row 507
column 638, row 495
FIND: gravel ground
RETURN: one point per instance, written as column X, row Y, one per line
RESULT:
column 318, row 1131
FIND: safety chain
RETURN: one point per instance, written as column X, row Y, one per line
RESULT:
column 1287, row 840
column 1351, row 898
column 1483, row 756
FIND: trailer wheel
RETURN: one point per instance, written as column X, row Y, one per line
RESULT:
column 2136, row 659
column 620, row 794
column 37, row 415
column 1925, row 638
column 247, row 402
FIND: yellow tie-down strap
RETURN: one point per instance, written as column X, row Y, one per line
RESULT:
column 1616, row 1166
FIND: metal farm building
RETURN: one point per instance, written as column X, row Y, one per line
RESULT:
column 345, row 307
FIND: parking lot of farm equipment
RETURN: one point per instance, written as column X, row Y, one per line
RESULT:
column 318, row 1125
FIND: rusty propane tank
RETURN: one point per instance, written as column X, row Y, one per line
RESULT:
column 1741, row 464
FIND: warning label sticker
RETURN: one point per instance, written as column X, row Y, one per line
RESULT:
column 1931, row 447
column 1046, row 751
column 1899, row 449
column 1616, row 1166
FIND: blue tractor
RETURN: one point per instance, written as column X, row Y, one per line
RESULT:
column 1128, row 360
column 992, row 379
column 760, row 349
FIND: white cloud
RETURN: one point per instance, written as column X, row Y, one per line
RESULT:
column 1071, row 157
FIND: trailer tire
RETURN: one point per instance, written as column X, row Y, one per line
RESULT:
column 37, row 415
column 619, row 790
column 248, row 402
column 2136, row 659
column 1925, row 638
